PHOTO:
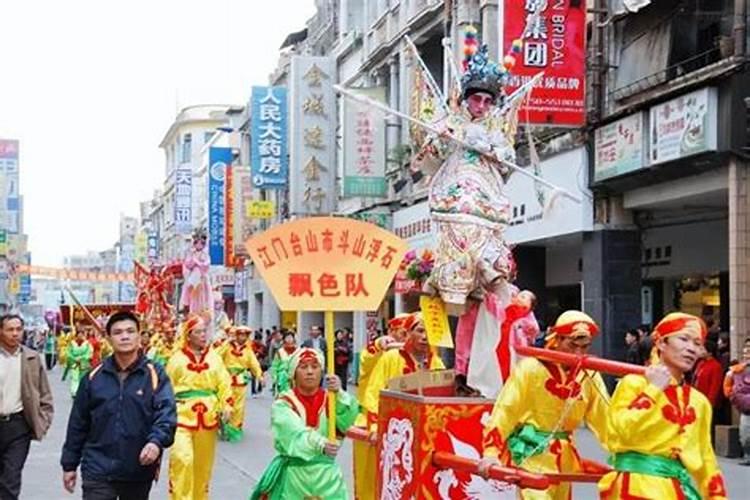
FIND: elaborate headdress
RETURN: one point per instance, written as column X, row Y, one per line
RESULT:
column 412, row 320
column 677, row 322
column 572, row 324
column 397, row 322
column 303, row 354
column 200, row 234
column 481, row 74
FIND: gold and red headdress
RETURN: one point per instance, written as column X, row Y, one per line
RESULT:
column 680, row 323
column 572, row 324
column 304, row 354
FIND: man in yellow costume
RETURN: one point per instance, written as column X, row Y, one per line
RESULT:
column 542, row 404
column 202, row 388
column 660, row 427
column 365, row 455
column 239, row 359
column 416, row 355
column 165, row 346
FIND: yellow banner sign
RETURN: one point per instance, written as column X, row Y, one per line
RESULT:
column 260, row 209
column 327, row 263
column 75, row 275
column 436, row 321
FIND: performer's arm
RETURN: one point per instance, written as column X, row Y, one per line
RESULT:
column 224, row 386
column 378, row 382
column 507, row 411
column 708, row 478
column 254, row 366
column 632, row 410
column 347, row 409
column 292, row 437
column 598, row 406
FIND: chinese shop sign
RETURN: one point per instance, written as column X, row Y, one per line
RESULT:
column 327, row 263
column 269, row 137
column 259, row 209
column 364, row 147
column 554, row 41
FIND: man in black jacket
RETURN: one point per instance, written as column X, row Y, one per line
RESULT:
column 123, row 418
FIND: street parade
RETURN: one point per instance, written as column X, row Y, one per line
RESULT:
column 444, row 250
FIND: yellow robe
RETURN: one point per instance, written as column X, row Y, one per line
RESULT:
column 239, row 359
column 539, row 394
column 377, row 370
column 63, row 340
column 202, row 388
column 365, row 455
column 161, row 351
column 647, row 420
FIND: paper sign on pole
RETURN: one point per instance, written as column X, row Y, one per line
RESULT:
column 436, row 321
column 327, row 263
column 258, row 209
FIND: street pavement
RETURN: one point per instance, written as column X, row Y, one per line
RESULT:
column 239, row 466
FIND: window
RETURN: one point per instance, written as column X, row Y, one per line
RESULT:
column 187, row 142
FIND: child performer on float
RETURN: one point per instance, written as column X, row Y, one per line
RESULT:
column 78, row 359
column 305, row 466
column 279, row 368
column 660, row 427
column 239, row 359
column 202, row 388
column 542, row 404
column 365, row 455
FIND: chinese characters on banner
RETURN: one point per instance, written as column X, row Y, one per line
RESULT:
column 242, row 197
column 268, row 147
column 10, row 201
column 364, row 147
column 75, row 275
column 312, row 177
column 219, row 160
column 152, row 248
column 228, row 216
column 553, row 34
column 183, row 199
column 259, row 209
column 327, row 263
column 436, row 321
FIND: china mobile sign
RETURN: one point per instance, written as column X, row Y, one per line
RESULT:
column 554, row 37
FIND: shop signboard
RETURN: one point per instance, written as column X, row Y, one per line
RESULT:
column 619, row 147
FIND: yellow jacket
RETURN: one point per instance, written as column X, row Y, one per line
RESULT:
column 539, row 394
column 390, row 365
column 202, row 388
column 238, row 359
column 674, row 423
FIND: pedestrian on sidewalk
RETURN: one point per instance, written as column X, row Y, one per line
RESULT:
column 122, row 420
column 342, row 357
column 737, row 389
column 25, row 404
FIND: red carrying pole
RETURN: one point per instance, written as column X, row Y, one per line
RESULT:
column 586, row 362
column 445, row 460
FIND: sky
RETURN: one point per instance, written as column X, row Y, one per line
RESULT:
column 90, row 87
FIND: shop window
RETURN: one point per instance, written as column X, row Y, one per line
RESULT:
column 657, row 253
column 668, row 252
column 647, row 255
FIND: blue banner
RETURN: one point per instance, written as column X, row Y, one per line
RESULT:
column 269, row 149
column 219, row 160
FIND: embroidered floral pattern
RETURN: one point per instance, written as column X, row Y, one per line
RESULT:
column 642, row 402
column 682, row 416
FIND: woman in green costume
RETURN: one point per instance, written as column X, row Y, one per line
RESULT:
column 280, row 364
column 305, row 466
column 79, row 357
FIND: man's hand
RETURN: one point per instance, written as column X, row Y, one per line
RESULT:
column 483, row 468
column 69, row 481
column 373, row 438
column 149, row 454
column 331, row 449
column 658, row 375
column 333, row 383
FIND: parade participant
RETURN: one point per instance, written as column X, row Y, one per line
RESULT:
column 145, row 341
column 122, row 420
column 196, row 295
column 164, row 347
column 63, row 341
column 239, row 358
column 259, row 348
column 542, row 404
column 466, row 197
column 96, row 343
column 279, row 371
column 660, row 427
column 305, row 466
column 737, row 390
column 202, row 389
column 416, row 355
column 78, row 360
column 365, row 455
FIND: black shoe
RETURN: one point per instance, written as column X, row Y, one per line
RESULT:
column 463, row 390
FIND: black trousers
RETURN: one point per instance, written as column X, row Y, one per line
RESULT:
column 49, row 359
column 343, row 373
column 256, row 386
column 115, row 490
column 15, row 438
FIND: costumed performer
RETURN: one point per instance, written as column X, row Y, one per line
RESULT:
column 196, row 291
column 540, row 407
column 416, row 355
column 279, row 368
column 63, row 341
column 78, row 359
column 202, row 388
column 164, row 347
column 242, row 364
column 660, row 427
column 365, row 455
column 305, row 466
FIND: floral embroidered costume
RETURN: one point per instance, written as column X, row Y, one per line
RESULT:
column 300, row 422
column 202, row 388
column 661, row 439
column 540, row 407
column 239, row 359
column 196, row 292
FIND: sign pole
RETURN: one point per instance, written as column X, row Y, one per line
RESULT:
column 330, row 339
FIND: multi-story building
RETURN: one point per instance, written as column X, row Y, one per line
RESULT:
column 193, row 127
column 89, row 291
